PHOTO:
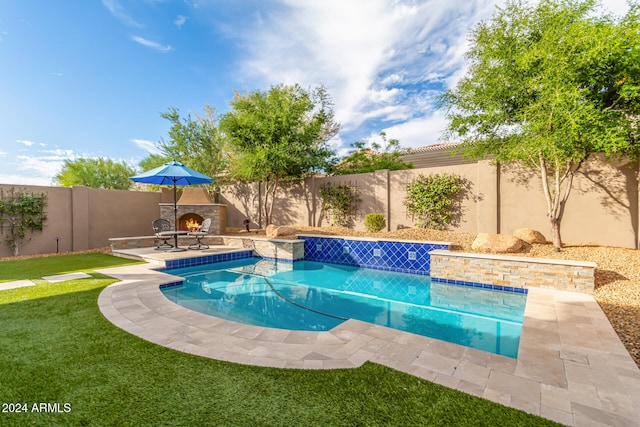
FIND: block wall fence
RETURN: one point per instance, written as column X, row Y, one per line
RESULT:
column 602, row 209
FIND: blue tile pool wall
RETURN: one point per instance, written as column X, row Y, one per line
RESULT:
column 404, row 257
column 207, row 259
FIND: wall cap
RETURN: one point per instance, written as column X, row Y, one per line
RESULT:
column 375, row 239
column 263, row 239
column 515, row 258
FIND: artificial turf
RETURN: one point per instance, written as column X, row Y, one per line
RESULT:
column 57, row 348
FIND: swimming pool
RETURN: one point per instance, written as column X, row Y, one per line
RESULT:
column 308, row 295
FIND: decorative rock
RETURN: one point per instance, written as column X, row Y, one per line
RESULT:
column 496, row 243
column 273, row 231
column 529, row 235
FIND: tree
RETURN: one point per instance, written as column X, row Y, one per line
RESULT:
column 547, row 86
column 96, row 173
column 277, row 135
column 153, row 161
column 380, row 156
column 196, row 142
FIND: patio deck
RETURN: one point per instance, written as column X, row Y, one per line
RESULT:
column 572, row 367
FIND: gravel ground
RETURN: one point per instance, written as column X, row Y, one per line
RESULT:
column 617, row 277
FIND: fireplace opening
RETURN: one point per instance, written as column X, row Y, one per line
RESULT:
column 189, row 221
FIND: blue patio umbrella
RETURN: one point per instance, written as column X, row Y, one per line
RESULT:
column 173, row 173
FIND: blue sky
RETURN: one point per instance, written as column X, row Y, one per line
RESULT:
column 90, row 78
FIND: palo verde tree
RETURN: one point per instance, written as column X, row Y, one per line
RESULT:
column 277, row 135
column 361, row 159
column 547, row 86
column 96, row 173
column 196, row 142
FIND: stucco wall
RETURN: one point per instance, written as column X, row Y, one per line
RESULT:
column 82, row 218
column 602, row 208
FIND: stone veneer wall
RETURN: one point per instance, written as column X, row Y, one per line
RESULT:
column 512, row 273
column 281, row 249
column 217, row 213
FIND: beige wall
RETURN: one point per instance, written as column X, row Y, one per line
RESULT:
column 602, row 208
column 84, row 218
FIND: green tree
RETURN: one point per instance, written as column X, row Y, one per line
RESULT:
column 153, row 161
column 277, row 135
column 360, row 159
column 547, row 86
column 96, row 173
column 196, row 142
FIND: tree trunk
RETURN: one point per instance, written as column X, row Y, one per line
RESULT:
column 556, row 239
column 557, row 194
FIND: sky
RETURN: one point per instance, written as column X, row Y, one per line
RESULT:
column 90, row 78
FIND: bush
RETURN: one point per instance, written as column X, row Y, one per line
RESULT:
column 430, row 199
column 375, row 222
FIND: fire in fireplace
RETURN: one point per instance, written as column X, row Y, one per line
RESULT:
column 189, row 221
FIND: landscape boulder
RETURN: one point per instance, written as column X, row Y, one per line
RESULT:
column 530, row 235
column 496, row 243
column 273, row 231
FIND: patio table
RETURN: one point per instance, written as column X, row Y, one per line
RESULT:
column 175, row 234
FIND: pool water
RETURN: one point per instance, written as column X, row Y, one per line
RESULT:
column 313, row 296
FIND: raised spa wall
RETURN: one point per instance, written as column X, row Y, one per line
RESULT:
column 511, row 273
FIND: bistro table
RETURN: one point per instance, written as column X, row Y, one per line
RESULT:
column 175, row 235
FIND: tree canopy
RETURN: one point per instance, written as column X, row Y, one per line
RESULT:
column 361, row 159
column 96, row 173
column 547, row 86
column 278, row 134
column 196, row 142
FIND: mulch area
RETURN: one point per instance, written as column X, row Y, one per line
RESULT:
column 617, row 277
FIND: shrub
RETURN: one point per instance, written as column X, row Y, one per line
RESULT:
column 375, row 222
column 430, row 199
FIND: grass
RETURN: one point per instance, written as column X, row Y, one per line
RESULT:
column 56, row 347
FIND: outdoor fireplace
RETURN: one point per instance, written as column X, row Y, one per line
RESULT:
column 195, row 205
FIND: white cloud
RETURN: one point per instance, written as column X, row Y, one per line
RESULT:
column 25, row 180
column 25, row 142
column 114, row 7
column 3, row 154
column 180, row 21
column 380, row 60
column 149, row 146
column 151, row 44
column 418, row 132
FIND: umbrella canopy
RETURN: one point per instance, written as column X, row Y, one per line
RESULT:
column 173, row 173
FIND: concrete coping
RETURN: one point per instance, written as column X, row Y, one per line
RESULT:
column 377, row 239
column 117, row 239
column 263, row 239
column 515, row 258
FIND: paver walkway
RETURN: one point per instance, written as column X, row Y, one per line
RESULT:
column 571, row 366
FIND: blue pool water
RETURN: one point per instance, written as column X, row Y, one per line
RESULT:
column 307, row 295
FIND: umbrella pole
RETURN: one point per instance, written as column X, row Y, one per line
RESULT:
column 175, row 215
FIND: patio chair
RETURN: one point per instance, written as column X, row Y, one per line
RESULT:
column 204, row 230
column 163, row 231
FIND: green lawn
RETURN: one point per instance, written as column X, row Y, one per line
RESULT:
column 56, row 347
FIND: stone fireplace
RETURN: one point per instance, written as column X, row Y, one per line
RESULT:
column 195, row 205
